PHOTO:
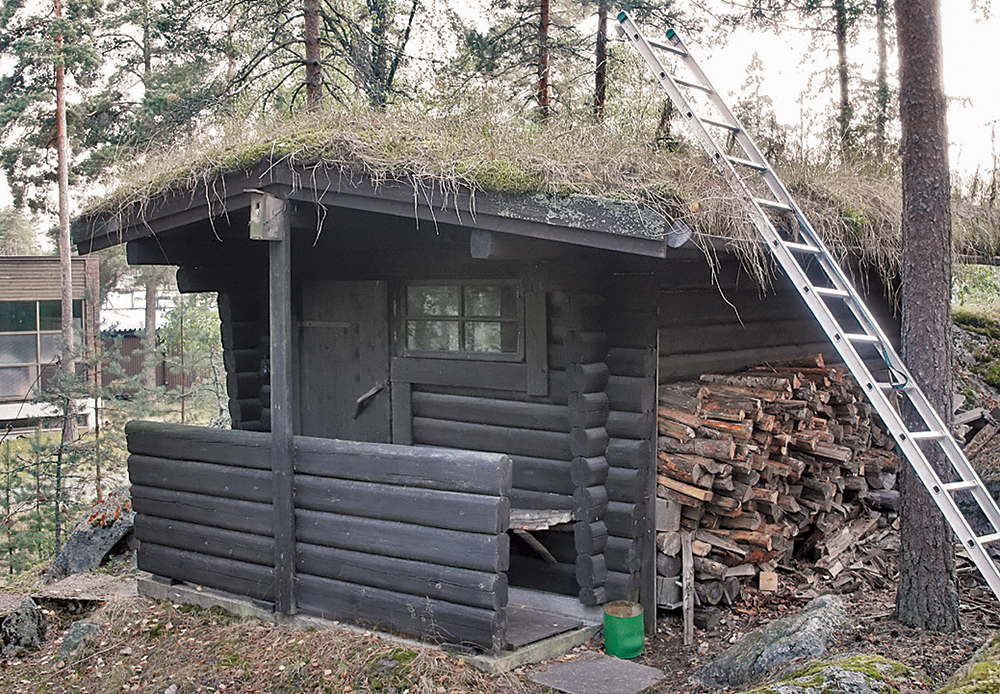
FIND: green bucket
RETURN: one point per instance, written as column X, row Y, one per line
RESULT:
column 624, row 632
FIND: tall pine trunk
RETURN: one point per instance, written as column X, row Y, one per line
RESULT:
column 314, row 63
column 601, row 60
column 881, row 80
column 544, row 97
column 844, row 115
column 927, row 593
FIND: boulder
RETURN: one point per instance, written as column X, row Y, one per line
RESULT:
column 75, row 637
column 850, row 674
column 765, row 651
column 106, row 529
column 24, row 628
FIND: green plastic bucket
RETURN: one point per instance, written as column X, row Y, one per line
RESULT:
column 624, row 632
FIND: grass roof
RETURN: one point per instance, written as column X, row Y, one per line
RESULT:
column 855, row 208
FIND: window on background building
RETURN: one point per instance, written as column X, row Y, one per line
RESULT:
column 464, row 319
column 30, row 340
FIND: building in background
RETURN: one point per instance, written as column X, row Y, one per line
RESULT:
column 30, row 335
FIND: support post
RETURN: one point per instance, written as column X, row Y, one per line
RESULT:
column 270, row 220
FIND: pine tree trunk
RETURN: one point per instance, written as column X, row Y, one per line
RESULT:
column 544, row 98
column 69, row 427
column 927, row 594
column 601, row 60
column 150, row 357
column 881, row 80
column 844, row 116
column 314, row 64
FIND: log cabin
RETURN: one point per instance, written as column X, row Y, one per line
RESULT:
column 443, row 398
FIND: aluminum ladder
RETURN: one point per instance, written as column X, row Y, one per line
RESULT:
column 828, row 293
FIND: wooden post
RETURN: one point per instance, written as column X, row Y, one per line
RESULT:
column 270, row 220
column 687, row 589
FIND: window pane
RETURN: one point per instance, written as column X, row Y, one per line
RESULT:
column 49, row 315
column 432, row 335
column 17, row 316
column 16, row 381
column 50, row 347
column 17, row 349
column 490, row 336
column 432, row 301
column 483, row 301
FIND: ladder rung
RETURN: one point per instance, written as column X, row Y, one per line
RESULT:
column 801, row 247
column 988, row 539
column 719, row 124
column 959, row 486
column 692, row 85
column 929, row 436
column 776, row 205
column 747, row 163
column 858, row 337
column 828, row 291
column 666, row 47
column 895, row 386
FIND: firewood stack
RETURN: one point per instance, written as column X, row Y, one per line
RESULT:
column 760, row 466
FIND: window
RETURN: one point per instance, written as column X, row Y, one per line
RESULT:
column 30, row 339
column 477, row 320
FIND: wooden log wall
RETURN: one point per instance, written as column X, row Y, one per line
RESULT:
column 631, row 429
column 413, row 539
column 589, row 409
column 243, row 314
column 727, row 326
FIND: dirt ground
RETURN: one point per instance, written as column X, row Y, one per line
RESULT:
column 145, row 646
column 871, row 629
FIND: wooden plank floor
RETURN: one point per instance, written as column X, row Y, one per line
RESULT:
column 525, row 625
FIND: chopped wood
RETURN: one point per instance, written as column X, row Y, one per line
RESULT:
column 721, row 449
column 680, row 468
column 668, row 427
column 688, row 420
column 685, row 489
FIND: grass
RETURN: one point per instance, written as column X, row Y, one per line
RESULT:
column 489, row 147
column 983, row 319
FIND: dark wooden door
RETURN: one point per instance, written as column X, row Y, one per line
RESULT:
column 344, row 361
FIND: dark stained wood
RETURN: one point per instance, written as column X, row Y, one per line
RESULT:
column 454, row 372
column 586, row 472
column 475, row 513
column 213, row 511
column 205, row 539
column 282, row 423
column 542, row 475
column 535, row 347
column 624, row 485
column 483, row 437
column 631, row 425
column 591, row 503
column 201, row 478
column 505, row 413
column 591, row 571
column 411, row 614
column 404, row 540
column 590, row 538
column 628, row 453
column 586, row 378
column 461, row 586
column 631, row 361
column 523, row 498
column 236, row 577
column 588, row 443
column 225, row 447
column 402, row 413
column 425, row 467
column 586, row 347
column 632, row 393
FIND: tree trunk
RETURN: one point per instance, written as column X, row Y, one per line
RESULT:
column 881, row 80
column 544, row 97
column 601, row 60
column 314, row 63
column 150, row 357
column 69, row 428
column 844, row 115
column 927, row 594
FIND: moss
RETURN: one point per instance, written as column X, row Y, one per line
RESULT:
column 883, row 675
column 502, row 176
column 981, row 675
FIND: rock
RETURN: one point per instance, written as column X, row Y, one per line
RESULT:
column 980, row 675
column 105, row 530
column 852, row 674
column 23, row 628
column 764, row 651
column 75, row 637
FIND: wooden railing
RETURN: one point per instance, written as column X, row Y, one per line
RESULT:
column 411, row 538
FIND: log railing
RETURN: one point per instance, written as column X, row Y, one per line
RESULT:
column 410, row 538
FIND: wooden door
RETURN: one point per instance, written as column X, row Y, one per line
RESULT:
column 344, row 361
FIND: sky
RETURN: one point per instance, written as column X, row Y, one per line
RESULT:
column 971, row 54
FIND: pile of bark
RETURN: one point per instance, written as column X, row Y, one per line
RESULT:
column 779, row 462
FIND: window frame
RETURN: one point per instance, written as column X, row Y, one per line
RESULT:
column 39, row 372
column 462, row 319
